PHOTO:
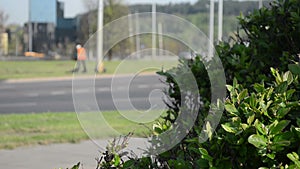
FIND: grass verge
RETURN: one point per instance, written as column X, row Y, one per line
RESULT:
column 44, row 69
column 46, row 128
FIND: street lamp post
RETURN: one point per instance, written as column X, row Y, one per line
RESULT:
column 137, row 36
column 260, row 4
column 220, row 21
column 29, row 28
column 100, row 67
column 153, row 29
column 211, row 28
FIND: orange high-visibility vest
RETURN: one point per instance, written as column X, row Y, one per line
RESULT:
column 81, row 54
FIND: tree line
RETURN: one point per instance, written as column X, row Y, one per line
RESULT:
column 201, row 6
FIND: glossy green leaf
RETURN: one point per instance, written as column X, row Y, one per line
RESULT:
column 251, row 119
column 259, row 87
column 295, row 69
column 209, row 130
column 228, row 128
column 282, row 87
column 253, row 100
column 279, row 146
column 290, row 93
column 295, row 158
column 229, row 88
column 288, row 77
column 271, row 156
column 286, row 136
column 235, row 83
column 276, row 127
column 231, row 109
column 282, row 112
column 258, row 141
column 203, row 151
column 260, row 127
column 128, row 164
column 242, row 95
column 205, row 154
column 117, row 160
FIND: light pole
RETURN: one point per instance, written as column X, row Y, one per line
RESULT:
column 29, row 28
column 137, row 36
column 211, row 28
column 153, row 29
column 260, row 4
column 160, row 39
column 220, row 21
column 100, row 66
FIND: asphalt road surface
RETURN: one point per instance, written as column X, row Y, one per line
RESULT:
column 56, row 95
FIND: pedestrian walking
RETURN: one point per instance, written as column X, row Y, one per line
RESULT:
column 81, row 57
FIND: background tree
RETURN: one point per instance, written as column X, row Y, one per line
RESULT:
column 113, row 9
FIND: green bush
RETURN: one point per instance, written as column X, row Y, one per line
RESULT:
column 269, row 37
column 260, row 127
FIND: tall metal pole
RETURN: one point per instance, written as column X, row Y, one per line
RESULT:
column 211, row 28
column 137, row 36
column 29, row 28
column 90, row 51
column 160, row 39
column 220, row 21
column 100, row 35
column 130, row 30
column 17, row 45
column 153, row 29
column 260, row 4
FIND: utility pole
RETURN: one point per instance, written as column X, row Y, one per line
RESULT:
column 137, row 36
column 130, row 30
column 29, row 28
column 160, row 39
column 211, row 28
column 260, row 4
column 220, row 21
column 100, row 67
column 90, row 51
column 153, row 29
column 17, row 45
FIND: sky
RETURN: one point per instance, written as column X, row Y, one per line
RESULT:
column 17, row 10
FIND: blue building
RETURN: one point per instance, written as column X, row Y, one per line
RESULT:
column 49, row 29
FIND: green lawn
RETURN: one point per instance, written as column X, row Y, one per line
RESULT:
column 44, row 69
column 45, row 128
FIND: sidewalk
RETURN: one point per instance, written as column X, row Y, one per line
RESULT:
column 51, row 156
column 56, row 156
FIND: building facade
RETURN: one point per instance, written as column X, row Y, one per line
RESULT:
column 47, row 27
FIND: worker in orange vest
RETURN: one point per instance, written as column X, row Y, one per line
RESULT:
column 81, row 57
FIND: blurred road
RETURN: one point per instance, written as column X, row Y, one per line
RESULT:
column 56, row 95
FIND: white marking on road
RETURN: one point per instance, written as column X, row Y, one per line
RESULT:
column 82, row 91
column 32, row 95
column 6, row 87
column 122, row 88
column 56, row 93
column 21, row 104
column 143, row 86
column 104, row 89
